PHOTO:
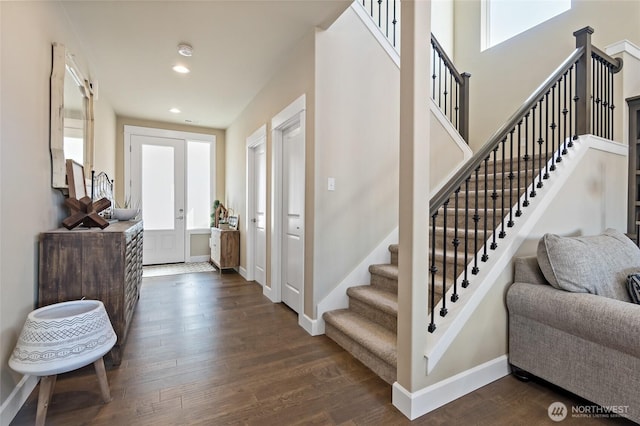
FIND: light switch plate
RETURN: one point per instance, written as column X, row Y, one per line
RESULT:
column 331, row 185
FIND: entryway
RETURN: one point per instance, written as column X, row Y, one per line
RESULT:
column 170, row 176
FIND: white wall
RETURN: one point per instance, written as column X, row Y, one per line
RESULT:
column 505, row 75
column 28, row 203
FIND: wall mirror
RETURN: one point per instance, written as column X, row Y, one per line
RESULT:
column 71, row 117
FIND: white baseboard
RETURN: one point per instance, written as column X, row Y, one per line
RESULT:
column 269, row 293
column 203, row 258
column 243, row 272
column 311, row 326
column 416, row 404
column 16, row 399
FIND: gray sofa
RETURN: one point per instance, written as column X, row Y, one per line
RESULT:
column 588, row 344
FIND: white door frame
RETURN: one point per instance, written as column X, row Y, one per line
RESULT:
column 256, row 139
column 173, row 134
column 295, row 111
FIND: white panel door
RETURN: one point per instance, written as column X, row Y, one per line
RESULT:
column 157, row 184
column 293, row 216
column 258, row 224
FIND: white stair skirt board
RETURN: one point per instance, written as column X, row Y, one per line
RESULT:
column 416, row 404
column 17, row 398
column 460, row 312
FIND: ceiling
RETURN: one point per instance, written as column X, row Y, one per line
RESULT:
column 131, row 47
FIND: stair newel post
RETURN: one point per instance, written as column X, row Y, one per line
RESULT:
column 464, row 107
column 583, row 82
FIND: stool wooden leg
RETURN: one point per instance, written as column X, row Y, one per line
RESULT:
column 47, row 384
column 102, row 380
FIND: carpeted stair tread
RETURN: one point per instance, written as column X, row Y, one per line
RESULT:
column 373, row 337
column 386, row 270
column 380, row 299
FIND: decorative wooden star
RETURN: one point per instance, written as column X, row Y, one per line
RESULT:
column 85, row 212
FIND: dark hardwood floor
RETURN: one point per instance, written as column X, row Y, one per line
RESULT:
column 210, row 349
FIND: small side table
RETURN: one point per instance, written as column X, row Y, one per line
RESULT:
column 63, row 337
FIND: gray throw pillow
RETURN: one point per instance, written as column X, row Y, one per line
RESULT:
column 596, row 264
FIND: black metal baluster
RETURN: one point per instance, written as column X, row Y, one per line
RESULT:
column 445, row 93
column 433, row 269
column 558, row 122
column 533, row 152
column 457, row 104
column 380, row 14
column 433, row 76
column 465, row 281
column 552, row 126
column 485, row 256
column 443, row 309
column 519, row 142
column 611, row 105
column 564, row 115
column 511, row 176
column 476, row 219
column 574, row 99
column 494, row 198
column 546, row 135
column 526, row 160
column 440, row 81
column 455, row 243
column 386, row 32
column 593, row 99
column 394, row 22
column 540, row 142
column 504, row 167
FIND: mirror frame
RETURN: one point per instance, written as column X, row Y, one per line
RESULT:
column 61, row 61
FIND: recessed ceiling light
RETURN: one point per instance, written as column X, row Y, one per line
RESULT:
column 185, row 49
column 188, row 121
column 181, row 69
column 175, row 110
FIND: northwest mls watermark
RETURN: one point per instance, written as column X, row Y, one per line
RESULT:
column 558, row 411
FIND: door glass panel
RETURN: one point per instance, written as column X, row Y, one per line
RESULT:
column 158, row 191
column 198, row 185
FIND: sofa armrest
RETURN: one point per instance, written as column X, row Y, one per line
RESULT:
column 608, row 322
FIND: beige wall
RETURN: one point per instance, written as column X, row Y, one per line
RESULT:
column 104, row 153
column 505, row 75
column 357, row 130
column 28, row 203
column 293, row 79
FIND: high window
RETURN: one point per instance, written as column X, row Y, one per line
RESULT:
column 503, row 19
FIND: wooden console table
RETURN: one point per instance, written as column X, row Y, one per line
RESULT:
column 96, row 264
column 225, row 248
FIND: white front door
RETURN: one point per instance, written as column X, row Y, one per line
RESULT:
column 157, row 184
column 293, row 181
column 258, row 218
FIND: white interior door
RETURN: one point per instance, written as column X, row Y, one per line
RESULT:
column 293, row 216
column 157, row 184
column 258, row 220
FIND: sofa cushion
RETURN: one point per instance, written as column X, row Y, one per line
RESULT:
column 596, row 264
column 633, row 286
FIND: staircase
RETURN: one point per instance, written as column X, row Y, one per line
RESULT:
column 368, row 328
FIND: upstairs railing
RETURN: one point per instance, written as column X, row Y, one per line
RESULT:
column 475, row 209
column 450, row 88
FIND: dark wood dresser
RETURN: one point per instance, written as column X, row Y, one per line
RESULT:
column 96, row 264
